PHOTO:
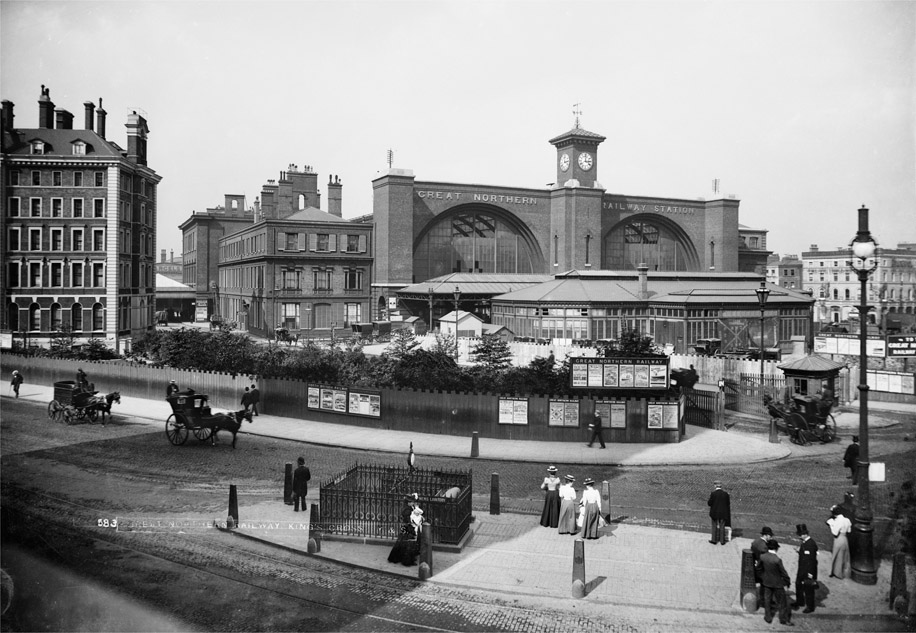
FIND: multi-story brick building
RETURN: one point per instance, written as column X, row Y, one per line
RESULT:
column 78, row 227
column 785, row 271
column 837, row 290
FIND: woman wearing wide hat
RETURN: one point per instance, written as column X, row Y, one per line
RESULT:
column 568, row 506
column 406, row 548
column 591, row 510
column 550, row 516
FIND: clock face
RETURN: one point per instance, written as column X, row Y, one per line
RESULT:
column 585, row 161
column 564, row 162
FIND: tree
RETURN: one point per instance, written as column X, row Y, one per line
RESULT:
column 492, row 353
column 62, row 341
column 633, row 342
column 402, row 343
column 445, row 344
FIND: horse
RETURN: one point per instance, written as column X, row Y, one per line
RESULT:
column 103, row 403
column 226, row 422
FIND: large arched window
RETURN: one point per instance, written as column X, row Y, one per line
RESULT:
column 655, row 242
column 56, row 315
column 475, row 239
column 76, row 318
column 98, row 317
column 13, row 312
column 35, row 317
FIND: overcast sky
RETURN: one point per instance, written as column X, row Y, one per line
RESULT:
column 804, row 111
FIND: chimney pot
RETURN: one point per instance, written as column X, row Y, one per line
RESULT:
column 8, row 116
column 643, row 281
column 90, row 110
column 100, row 119
column 45, row 109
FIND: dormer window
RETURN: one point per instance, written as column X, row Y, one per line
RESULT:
column 38, row 147
column 79, row 148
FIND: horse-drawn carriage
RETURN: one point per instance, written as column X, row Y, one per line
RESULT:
column 74, row 405
column 191, row 414
column 285, row 335
column 804, row 418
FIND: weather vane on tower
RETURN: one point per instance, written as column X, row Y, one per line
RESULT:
column 577, row 110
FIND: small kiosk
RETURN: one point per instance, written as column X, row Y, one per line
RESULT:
column 809, row 378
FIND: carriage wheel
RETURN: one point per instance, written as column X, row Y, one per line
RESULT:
column 829, row 433
column 176, row 431
column 203, row 433
column 70, row 415
column 92, row 413
column 797, row 421
column 54, row 410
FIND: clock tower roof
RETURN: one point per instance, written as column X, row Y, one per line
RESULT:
column 577, row 134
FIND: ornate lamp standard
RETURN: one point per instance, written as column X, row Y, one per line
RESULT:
column 431, row 296
column 763, row 293
column 457, row 297
column 863, row 252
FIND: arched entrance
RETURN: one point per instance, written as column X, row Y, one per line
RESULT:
column 649, row 239
column 476, row 238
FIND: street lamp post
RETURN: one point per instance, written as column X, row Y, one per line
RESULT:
column 763, row 293
column 863, row 252
column 457, row 296
column 431, row 295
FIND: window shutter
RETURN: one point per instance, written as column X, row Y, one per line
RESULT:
column 362, row 243
column 281, row 241
column 302, row 241
column 313, row 241
column 278, row 281
column 332, row 242
column 342, row 241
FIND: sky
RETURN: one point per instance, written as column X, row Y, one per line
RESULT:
column 804, row 111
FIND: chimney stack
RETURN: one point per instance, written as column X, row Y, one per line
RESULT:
column 64, row 119
column 7, row 116
column 162, row 255
column 100, row 119
column 45, row 109
column 643, row 281
column 335, row 196
column 172, row 255
column 136, row 138
column 90, row 110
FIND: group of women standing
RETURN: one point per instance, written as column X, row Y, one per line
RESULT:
column 564, row 512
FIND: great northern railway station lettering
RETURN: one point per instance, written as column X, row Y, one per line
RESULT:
column 459, row 196
column 645, row 208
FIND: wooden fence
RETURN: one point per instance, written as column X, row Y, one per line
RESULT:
column 366, row 501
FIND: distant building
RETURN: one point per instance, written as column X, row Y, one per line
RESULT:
column 785, row 271
column 78, row 227
column 170, row 266
column 752, row 250
column 836, row 288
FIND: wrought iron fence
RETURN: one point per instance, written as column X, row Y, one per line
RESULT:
column 366, row 500
column 702, row 408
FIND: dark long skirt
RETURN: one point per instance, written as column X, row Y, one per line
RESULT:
column 590, row 521
column 550, row 516
column 406, row 549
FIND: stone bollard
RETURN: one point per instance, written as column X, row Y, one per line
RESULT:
column 233, row 517
column 314, row 544
column 774, row 432
column 288, row 485
column 898, row 584
column 748, row 590
column 606, row 498
column 426, row 552
column 578, row 571
column 475, row 445
column 494, row 493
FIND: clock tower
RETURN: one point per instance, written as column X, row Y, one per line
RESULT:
column 577, row 156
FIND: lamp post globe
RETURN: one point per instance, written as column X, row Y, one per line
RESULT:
column 863, row 252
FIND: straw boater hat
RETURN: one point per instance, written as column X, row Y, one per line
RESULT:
column 552, row 470
column 589, row 481
column 570, row 478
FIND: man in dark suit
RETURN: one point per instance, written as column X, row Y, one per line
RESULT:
column 758, row 549
column 851, row 460
column 806, row 578
column 255, row 399
column 775, row 579
column 246, row 399
column 301, row 477
column 720, row 511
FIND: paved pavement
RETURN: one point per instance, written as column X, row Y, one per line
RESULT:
column 635, row 566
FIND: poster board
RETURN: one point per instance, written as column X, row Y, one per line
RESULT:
column 513, row 411
column 342, row 400
column 563, row 413
column 613, row 413
column 624, row 372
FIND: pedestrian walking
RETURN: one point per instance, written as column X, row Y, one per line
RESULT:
column 758, row 549
column 255, row 399
column 720, row 511
column 775, row 580
column 550, row 515
column 851, row 460
column 595, row 427
column 591, row 510
column 246, row 399
column 806, row 577
column 172, row 388
column 301, row 477
column 840, row 526
column 15, row 381
column 568, row 507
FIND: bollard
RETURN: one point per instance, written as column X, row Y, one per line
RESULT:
column 898, row 579
column 426, row 552
column 233, row 507
column 314, row 543
column 494, row 493
column 475, row 445
column 748, row 590
column 774, row 433
column 578, row 571
column 606, row 498
column 288, row 485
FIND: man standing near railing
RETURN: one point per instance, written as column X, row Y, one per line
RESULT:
column 301, row 477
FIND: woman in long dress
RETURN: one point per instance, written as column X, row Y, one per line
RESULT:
column 591, row 510
column 405, row 548
column 550, row 516
column 568, row 507
column 840, row 526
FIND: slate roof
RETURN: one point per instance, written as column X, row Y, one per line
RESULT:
column 472, row 284
column 312, row 214
column 813, row 363
column 60, row 142
column 577, row 132
column 167, row 284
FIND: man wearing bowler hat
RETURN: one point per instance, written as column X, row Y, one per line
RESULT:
column 720, row 512
column 851, row 460
column 806, row 578
column 775, row 579
column 758, row 549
